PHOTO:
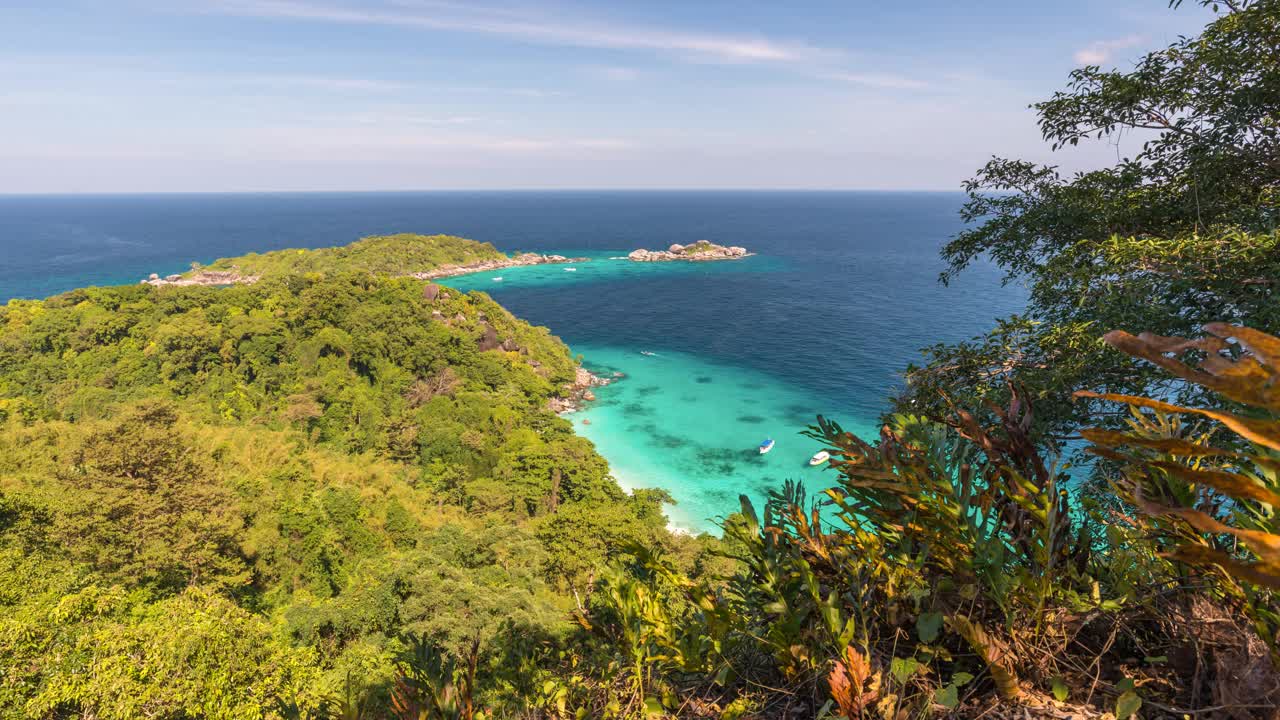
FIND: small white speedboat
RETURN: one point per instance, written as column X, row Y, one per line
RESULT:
column 766, row 446
column 820, row 458
column 571, row 269
column 498, row 279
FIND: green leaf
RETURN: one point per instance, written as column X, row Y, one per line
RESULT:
column 653, row 707
column 903, row 668
column 948, row 697
column 1059, row 688
column 928, row 625
column 1127, row 704
column 961, row 679
column 1125, row 685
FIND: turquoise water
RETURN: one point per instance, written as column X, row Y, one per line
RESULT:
column 602, row 266
column 678, row 421
column 693, row 427
column 840, row 297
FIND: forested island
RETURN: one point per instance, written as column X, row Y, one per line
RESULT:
column 404, row 255
column 340, row 491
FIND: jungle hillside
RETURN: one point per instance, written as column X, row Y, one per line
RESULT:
column 340, row 492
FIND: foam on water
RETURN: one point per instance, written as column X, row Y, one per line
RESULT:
column 693, row 428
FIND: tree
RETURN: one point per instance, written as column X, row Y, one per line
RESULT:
column 1182, row 231
column 147, row 510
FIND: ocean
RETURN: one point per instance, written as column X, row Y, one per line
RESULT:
column 839, row 297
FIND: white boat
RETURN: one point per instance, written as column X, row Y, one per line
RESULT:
column 650, row 354
column 571, row 269
column 820, row 457
column 766, row 446
column 498, row 279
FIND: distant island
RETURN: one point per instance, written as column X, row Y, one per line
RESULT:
column 424, row 257
column 701, row 250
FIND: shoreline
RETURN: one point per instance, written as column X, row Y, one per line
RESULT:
column 578, row 392
column 521, row 260
column 235, row 277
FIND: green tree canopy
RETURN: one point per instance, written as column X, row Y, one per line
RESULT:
column 1181, row 231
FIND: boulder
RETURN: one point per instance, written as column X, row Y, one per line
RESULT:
column 430, row 292
column 488, row 339
column 701, row 250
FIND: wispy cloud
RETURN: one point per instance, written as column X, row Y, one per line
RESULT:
column 380, row 138
column 129, row 70
column 322, row 82
column 1102, row 51
column 613, row 73
column 525, row 27
column 878, row 80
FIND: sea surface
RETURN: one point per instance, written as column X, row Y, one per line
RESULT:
column 839, row 297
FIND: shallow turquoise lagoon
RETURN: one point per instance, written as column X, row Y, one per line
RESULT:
column 678, row 421
column 693, row 427
column 600, row 266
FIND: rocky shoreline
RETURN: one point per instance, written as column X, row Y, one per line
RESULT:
column 700, row 251
column 521, row 260
column 203, row 277
column 577, row 392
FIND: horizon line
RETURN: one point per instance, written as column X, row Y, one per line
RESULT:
column 407, row 191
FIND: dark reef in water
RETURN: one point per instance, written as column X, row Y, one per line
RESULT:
column 703, row 379
column 752, row 419
column 637, row 409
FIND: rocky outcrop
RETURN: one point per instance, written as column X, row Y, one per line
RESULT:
column 203, row 277
column 520, row 260
column 702, row 250
column 488, row 339
column 577, row 392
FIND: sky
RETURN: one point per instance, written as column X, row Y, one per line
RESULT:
column 297, row 95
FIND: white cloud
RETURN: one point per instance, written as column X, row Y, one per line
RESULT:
column 879, row 80
column 322, row 82
column 509, row 23
column 613, row 73
column 394, row 137
column 1101, row 51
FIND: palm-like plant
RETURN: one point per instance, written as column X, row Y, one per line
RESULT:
column 1211, row 503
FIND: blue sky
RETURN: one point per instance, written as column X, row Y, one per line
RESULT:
column 248, row 95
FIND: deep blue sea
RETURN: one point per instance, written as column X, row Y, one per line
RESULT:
column 841, row 295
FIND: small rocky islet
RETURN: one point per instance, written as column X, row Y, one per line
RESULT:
column 700, row 251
